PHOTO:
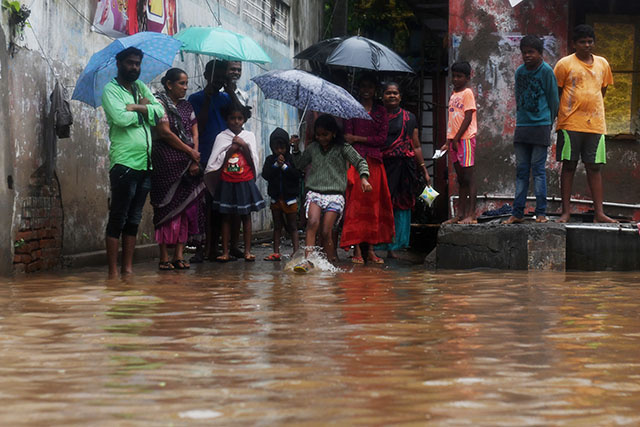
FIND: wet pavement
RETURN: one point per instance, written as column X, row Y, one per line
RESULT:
column 251, row 344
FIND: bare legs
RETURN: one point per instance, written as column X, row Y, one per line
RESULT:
column 128, row 247
column 594, row 179
column 289, row 224
column 228, row 222
column 324, row 223
column 112, row 256
column 467, row 192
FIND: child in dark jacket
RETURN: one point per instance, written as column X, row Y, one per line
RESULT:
column 284, row 186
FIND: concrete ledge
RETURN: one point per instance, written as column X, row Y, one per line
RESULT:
column 499, row 246
column 98, row 258
column 603, row 247
column 143, row 253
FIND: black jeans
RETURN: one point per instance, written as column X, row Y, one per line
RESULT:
column 129, row 189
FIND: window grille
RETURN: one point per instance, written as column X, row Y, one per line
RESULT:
column 269, row 16
column 232, row 5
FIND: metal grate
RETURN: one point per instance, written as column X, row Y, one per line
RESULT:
column 269, row 16
column 232, row 5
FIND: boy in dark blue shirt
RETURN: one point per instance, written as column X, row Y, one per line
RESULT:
column 537, row 107
column 283, row 189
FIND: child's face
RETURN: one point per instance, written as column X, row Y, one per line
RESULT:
column 531, row 57
column 324, row 137
column 459, row 80
column 235, row 121
column 584, row 46
column 280, row 150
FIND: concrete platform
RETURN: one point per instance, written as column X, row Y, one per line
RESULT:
column 531, row 246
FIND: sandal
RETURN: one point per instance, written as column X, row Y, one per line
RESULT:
column 223, row 258
column 165, row 266
column 273, row 257
column 357, row 260
column 249, row 258
column 180, row 264
column 376, row 260
column 303, row 267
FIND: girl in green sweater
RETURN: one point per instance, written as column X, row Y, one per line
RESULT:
column 326, row 181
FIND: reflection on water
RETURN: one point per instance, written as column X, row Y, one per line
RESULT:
column 249, row 344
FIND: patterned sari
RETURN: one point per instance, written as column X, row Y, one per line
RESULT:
column 175, row 194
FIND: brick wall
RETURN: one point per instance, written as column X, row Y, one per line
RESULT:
column 38, row 242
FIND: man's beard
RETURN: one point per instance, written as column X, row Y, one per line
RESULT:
column 131, row 76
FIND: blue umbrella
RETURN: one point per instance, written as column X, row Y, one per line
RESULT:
column 308, row 92
column 159, row 52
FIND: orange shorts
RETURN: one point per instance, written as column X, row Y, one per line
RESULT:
column 281, row 205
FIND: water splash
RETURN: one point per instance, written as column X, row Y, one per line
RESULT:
column 317, row 257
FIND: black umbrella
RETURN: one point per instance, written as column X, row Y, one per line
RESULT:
column 320, row 51
column 356, row 51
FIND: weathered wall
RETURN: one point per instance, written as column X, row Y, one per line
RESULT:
column 487, row 34
column 26, row 80
column 6, row 167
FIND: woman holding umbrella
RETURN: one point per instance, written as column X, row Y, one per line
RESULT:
column 403, row 161
column 368, row 218
column 176, row 182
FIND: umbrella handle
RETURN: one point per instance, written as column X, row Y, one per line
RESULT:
column 304, row 113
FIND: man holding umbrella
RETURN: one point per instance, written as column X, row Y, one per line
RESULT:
column 131, row 110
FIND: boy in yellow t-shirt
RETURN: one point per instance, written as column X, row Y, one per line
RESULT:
column 582, row 82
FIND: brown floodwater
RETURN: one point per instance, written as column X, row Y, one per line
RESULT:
column 251, row 344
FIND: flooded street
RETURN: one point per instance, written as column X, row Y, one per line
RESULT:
column 250, row 344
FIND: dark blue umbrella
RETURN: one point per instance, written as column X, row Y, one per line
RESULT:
column 308, row 92
column 159, row 52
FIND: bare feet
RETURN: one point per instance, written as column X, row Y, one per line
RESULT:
column 513, row 220
column 541, row 219
column 604, row 219
column 453, row 220
column 564, row 218
column 468, row 220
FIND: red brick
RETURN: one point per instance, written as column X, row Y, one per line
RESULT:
column 21, row 259
column 33, row 266
column 47, row 243
column 26, row 235
column 19, row 268
column 37, row 254
column 27, row 248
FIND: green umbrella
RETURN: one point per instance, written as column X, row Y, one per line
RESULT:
column 221, row 43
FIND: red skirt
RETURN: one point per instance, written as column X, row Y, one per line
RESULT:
column 368, row 217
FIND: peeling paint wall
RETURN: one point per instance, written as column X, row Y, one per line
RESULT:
column 26, row 80
column 6, row 167
column 487, row 34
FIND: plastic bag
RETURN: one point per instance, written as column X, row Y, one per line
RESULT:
column 429, row 195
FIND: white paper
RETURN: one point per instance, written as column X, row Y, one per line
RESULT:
column 515, row 2
column 438, row 154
